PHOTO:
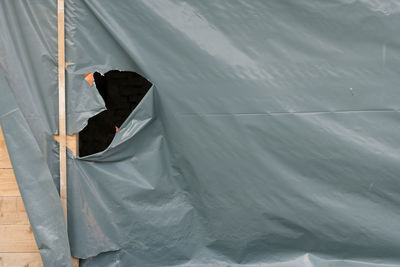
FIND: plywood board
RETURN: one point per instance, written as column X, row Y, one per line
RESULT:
column 12, row 211
column 4, row 159
column 8, row 183
column 17, row 238
column 72, row 142
column 20, row 260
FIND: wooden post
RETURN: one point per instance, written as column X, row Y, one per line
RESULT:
column 62, row 125
column 61, row 107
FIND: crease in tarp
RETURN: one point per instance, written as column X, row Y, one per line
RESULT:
column 100, row 240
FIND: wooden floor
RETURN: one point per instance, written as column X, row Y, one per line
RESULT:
column 17, row 244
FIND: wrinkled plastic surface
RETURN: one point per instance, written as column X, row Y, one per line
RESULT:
column 35, row 182
column 269, row 137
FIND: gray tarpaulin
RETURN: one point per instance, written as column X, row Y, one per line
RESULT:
column 270, row 136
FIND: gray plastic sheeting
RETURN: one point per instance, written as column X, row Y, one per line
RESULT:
column 35, row 182
column 269, row 138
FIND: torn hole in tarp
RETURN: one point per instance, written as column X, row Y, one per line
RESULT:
column 122, row 91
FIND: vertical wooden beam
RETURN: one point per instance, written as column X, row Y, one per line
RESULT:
column 62, row 125
column 61, row 106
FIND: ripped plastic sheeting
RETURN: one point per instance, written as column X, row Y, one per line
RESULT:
column 269, row 137
column 274, row 117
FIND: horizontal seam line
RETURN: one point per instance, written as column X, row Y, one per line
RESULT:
column 290, row 113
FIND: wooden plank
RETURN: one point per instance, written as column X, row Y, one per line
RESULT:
column 72, row 142
column 12, row 211
column 61, row 105
column 62, row 124
column 8, row 184
column 20, row 260
column 17, row 238
column 4, row 158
